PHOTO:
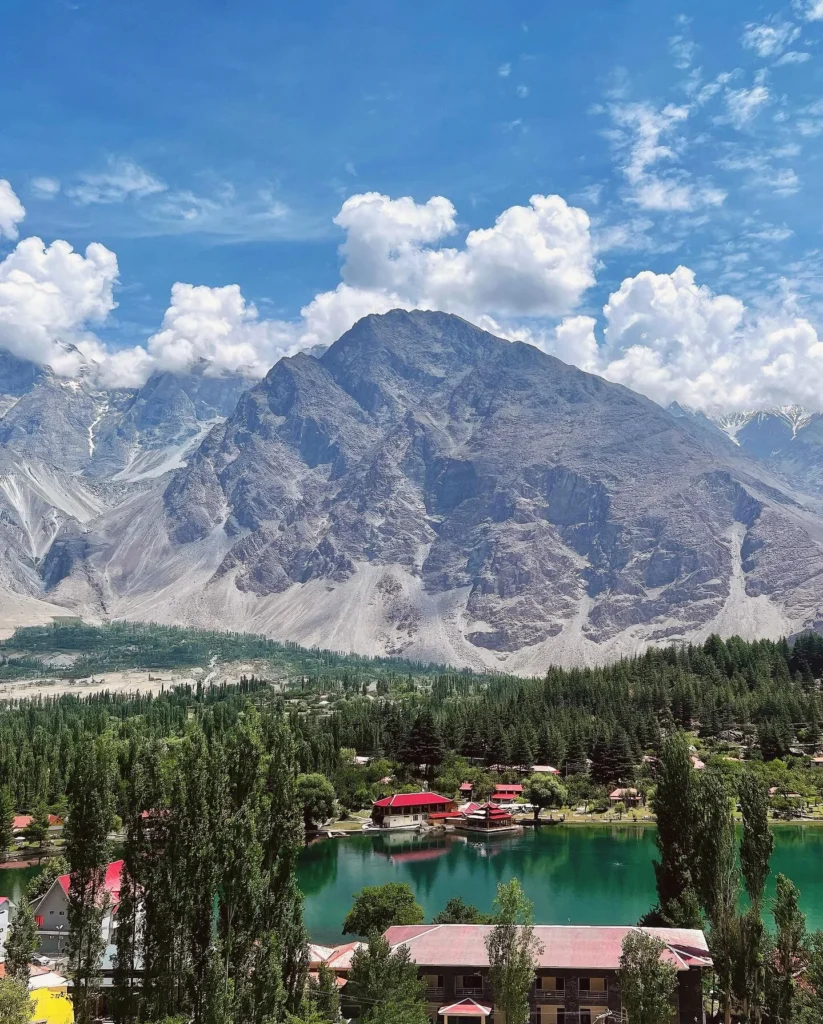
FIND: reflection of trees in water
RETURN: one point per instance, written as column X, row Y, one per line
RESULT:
column 317, row 866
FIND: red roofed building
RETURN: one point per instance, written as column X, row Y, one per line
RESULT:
column 486, row 818
column 51, row 910
column 505, row 792
column 576, row 978
column 408, row 810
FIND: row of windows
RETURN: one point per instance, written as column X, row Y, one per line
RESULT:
column 542, row 983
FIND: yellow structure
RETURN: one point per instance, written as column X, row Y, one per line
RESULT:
column 52, row 1005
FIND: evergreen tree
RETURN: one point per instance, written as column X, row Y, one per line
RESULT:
column 22, row 942
column 424, row 745
column 6, row 821
column 37, row 830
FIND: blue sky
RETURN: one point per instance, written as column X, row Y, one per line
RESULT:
column 213, row 144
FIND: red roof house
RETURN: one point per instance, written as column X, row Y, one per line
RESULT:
column 404, row 810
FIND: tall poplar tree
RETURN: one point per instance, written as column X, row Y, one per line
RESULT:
column 674, row 808
column 90, row 818
column 513, row 951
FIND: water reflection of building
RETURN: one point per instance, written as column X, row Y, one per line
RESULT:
column 405, row 848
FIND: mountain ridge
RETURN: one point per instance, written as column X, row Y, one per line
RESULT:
column 428, row 489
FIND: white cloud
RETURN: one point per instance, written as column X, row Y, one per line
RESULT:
column 669, row 195
column 681, row 46
column 811, row 10
column 674, row 340
column 45, row 188
column 745, row 104
column 123, row 179
column 522, row 91
column 535, row 261
column 646, row 138
column 48, row 296
column 218, row 325
column 770, row 38
column 504, row 70
column 793, row 57
column 11, row 211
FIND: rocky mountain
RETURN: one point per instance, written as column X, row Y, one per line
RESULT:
column 789, row 440
column 70, row 451
column 424, row 487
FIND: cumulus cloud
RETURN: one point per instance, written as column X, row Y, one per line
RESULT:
column 219, row 326
column 49, row 294
column 123, row 179
column 11, row 211
column 673, row 339
column 769, row 39
column 535, row 261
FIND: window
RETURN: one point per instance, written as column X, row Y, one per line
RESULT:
column 585, row 1015
column 546, row 983
column 472, row 981
column 584, row 984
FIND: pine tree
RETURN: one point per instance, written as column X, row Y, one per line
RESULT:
column 6, row 821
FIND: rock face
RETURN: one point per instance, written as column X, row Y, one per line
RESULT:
column 428, row 488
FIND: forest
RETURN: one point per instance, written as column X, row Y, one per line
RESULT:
column 211, row 789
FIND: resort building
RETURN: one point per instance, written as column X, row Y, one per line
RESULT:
column 410, row 810
column 576, row 979
column 506, row 793
column 51, row 911
column 629, row 796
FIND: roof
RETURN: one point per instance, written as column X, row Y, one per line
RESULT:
column 50, row 979
column 3, row 899
column 508, row 787
column 112, row 881
column 413, row 800
column 618, row 794
column 466, row 786
column 565, row 947
column 697, row 764
column 466, row 1008
column 22, row 821
column 544, row 769
column 340, row 959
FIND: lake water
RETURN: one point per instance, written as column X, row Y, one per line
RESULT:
column 573, row 874
column 592, row 874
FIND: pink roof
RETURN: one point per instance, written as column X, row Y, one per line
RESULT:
column 413, row 800
column 506, row 787
column 565, row 947
column 466, row 1008
column 22, row 821
column 466, row 787
column 3, row 899
column 112, row 881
